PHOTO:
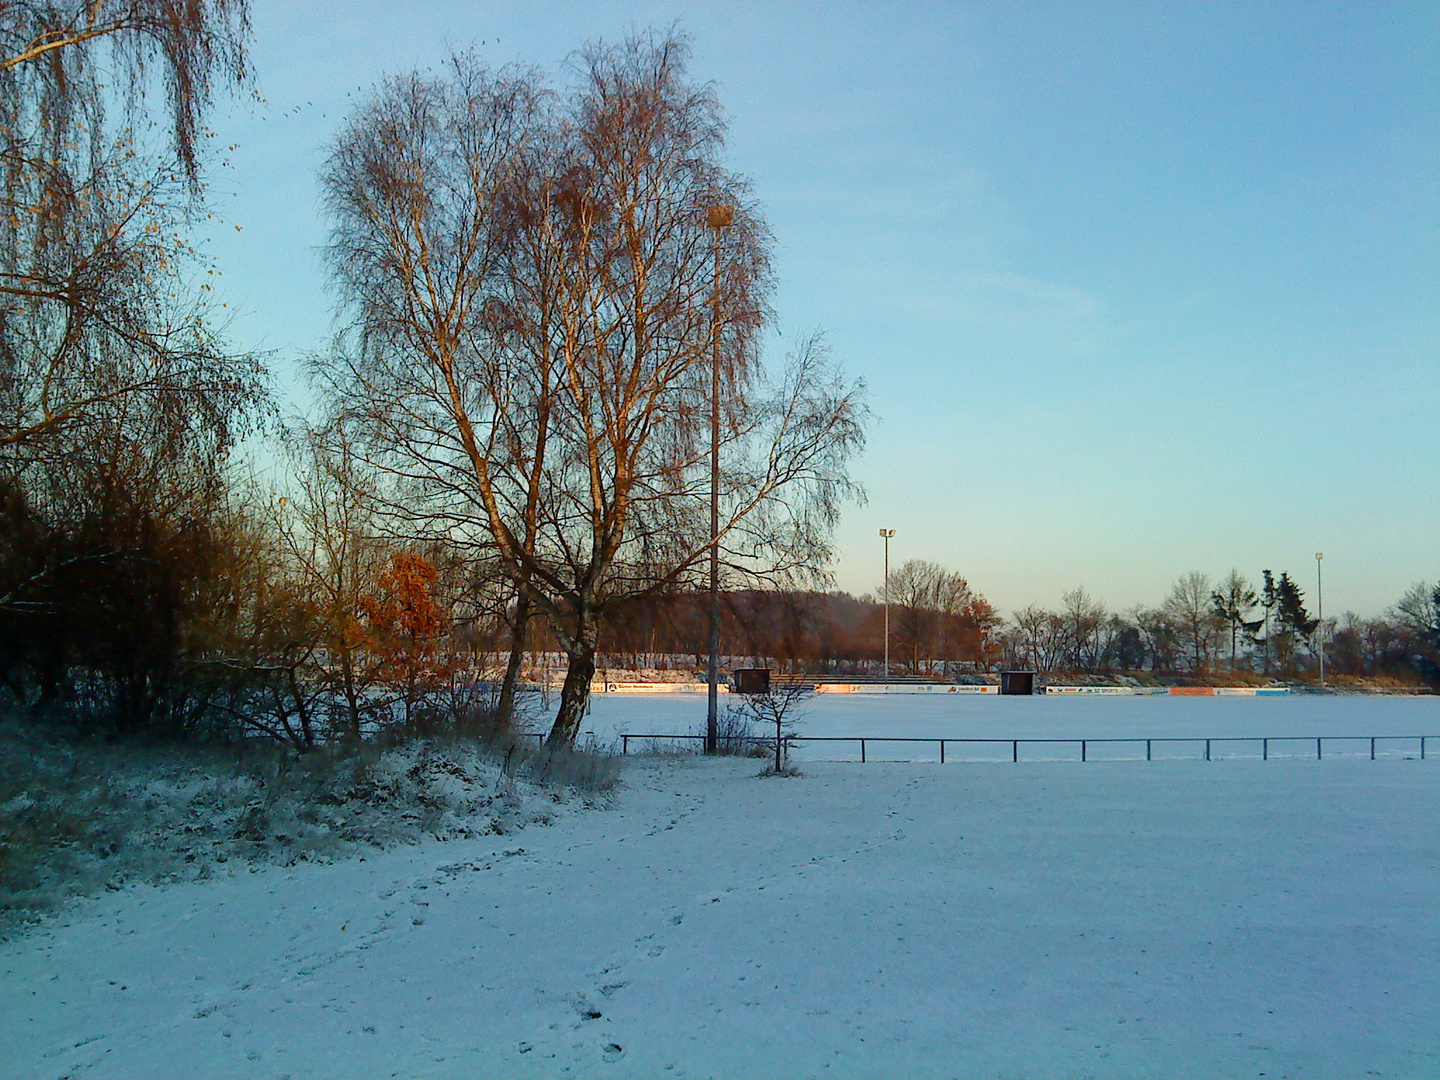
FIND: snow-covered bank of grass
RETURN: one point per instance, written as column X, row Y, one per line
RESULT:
column 1044, row 921
column 79, row 816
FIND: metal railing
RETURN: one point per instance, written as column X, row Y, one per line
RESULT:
column 1084, row 744
column 726, row 741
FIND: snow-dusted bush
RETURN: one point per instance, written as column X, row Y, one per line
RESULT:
column 588, row 766
column 76, row 817
column 735, row 734
column 779, row 708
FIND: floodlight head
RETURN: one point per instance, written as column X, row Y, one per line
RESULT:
column 887, row 533
column 1319, row 555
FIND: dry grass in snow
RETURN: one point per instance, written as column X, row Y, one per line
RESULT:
column 76, row 818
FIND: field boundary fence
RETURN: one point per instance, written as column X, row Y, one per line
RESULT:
column 1263, row 747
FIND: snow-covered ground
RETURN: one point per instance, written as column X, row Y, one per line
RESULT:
column 1052, row 717
column 1042, row 920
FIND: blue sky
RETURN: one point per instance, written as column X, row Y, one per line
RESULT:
column 1136, row 289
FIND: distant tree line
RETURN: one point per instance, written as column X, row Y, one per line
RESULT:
column 1206, row 627
column 806, row 631
column 941, row 627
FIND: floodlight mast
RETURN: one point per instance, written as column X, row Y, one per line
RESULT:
column 718, row 218
column 886, row 534
column 1320, row 616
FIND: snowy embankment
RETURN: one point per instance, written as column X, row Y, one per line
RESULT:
column 1224, row 919
column 76, row 817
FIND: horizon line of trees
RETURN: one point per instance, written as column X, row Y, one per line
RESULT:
column 1207, row 626
column 939, row 627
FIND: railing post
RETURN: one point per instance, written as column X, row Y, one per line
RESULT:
column 1265, row 749
column 1015, row 750
column 862, row 751
column 624, row 744
column 1082, row 750
column 942, row 751
column 1422, row 747
column 1147, row 749
column 1318, row 754
column 1372, row 747
column 1207, row 749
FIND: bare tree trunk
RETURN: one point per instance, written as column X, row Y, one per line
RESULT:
column 575, row 694
column 351, row 695
column 519, row 625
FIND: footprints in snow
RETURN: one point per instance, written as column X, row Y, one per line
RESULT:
column 401, row 896
column 414, row 891
column 644, row 948
column 676, row 820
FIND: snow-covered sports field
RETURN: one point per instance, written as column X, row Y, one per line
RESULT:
column 1042, row 920
column 1051, row 717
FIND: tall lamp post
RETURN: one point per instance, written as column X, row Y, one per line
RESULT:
column 1320, row 615
column 718, row 218
column 886, row 534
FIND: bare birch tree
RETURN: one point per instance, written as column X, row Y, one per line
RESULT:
column 92, row 310
column 955, row 601
column 1190, row 610
column 532, row 282
column 931, row 608
column 1041, row 637
column 1084, row 618
column 53, row 64
column 420, row 186
column 915, row 603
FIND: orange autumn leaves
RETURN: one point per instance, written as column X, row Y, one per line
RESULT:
column 402, row 626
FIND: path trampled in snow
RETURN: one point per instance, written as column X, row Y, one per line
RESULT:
column 1230, row 919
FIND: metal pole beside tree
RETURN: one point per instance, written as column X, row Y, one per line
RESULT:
column 1320, row 616
column 886, row 534
column 717, row 218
